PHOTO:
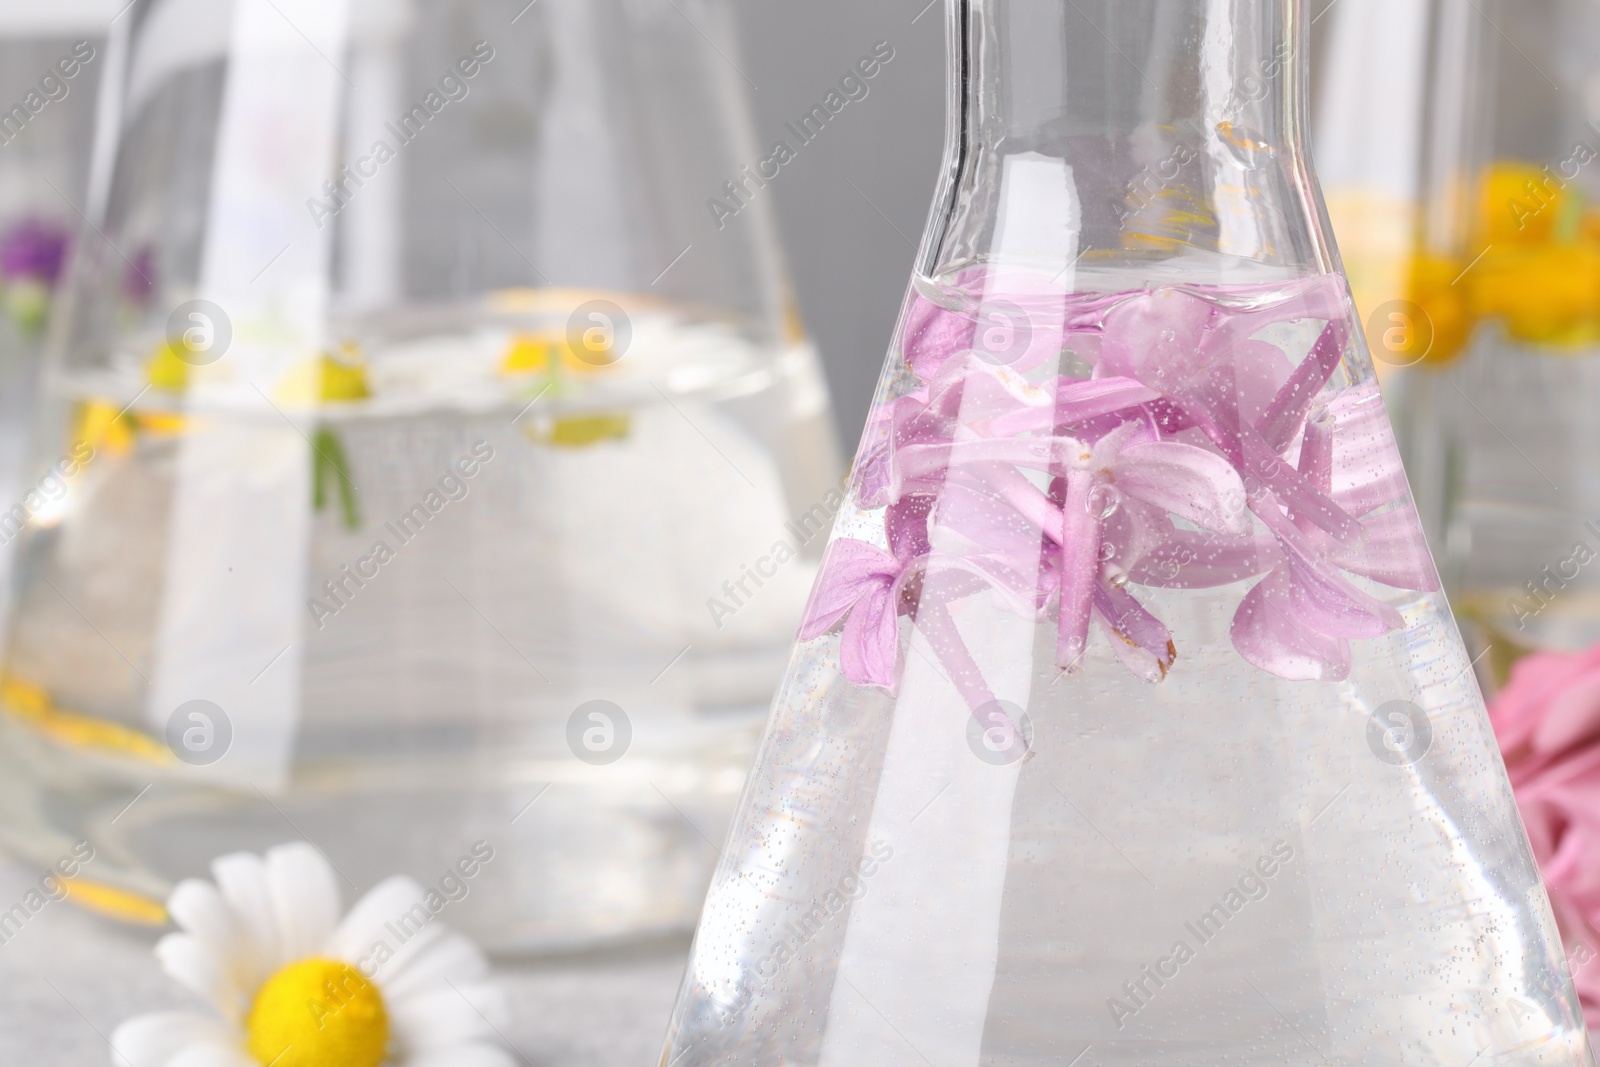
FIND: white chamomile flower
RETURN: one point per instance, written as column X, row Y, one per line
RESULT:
column 293, row 986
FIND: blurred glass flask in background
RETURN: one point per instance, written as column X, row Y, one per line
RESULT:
column 1401, row 143
column 1128, row 724
column 1521, row 486
column 423, row 433
column 1465, row 205
column 50, row 65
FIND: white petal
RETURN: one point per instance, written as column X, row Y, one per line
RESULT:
column 242, row 879
column 446, row 1016
column 199, row 909
column 305, row 899
column 193, row 965
column 152, row 1040
column 465, row 1056
column 364, row 928
column 214, row 1055
column 451, row 958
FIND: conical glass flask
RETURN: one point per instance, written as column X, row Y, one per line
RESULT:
column 411, row 410
column 1127, row 723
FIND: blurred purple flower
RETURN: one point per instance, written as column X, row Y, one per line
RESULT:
column 33, row 250
column 139, row 280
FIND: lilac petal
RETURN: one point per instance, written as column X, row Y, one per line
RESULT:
column 941, row 588
column 871, row 471
column 1082, row 400
column 1266, row 633
column 1323, row 600
column 1395, row 552
column 1171, row 417
column 1193, row 560
column 850, row 570
column 1288, row 409
column 1081, row 523
column 975, row 394
column 1014, row 581
column 1330, row 605
column 869, row 650
column 1366, row 462
column 1141, row 640
column 1316, row 451
column 1130, row 533
column 906, row 523
column 1254, row 459
column 1316, row 459
column 1024, row 593
column 1124, row 435
column 932, row 335
column 946, row 388
column 929, row 464
column 916, row 422
column 982, row 512
column 1295, row 490
column 1191, row 483
column 1019, row 493
column 1157, row 337
column 1076, row 401
column 1258, row 371
column 1098, row 429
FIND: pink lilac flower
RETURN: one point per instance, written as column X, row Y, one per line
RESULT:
column 1197, row 455
column 1547, row 720
column 865, row 586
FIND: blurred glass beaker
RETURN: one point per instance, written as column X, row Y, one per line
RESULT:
column 431, row 466
column 1401, row 141
column 50, row 63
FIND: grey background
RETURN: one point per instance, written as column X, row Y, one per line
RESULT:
column 853, row 205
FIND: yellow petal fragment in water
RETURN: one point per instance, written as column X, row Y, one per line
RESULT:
column 114, row 902
column 31, row 704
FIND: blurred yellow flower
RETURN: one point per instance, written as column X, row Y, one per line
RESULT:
column 325, row 379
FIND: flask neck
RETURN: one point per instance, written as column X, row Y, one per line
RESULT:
column 1121, row 134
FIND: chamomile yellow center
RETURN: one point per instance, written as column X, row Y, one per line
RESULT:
column 325, row 379
column 318, row 1013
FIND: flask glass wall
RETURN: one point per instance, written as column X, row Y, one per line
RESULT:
column 401, row 428
column 1127, row 719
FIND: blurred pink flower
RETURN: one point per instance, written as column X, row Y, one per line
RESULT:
column 1547, row 720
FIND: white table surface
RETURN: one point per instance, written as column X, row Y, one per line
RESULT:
column 68, row 979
